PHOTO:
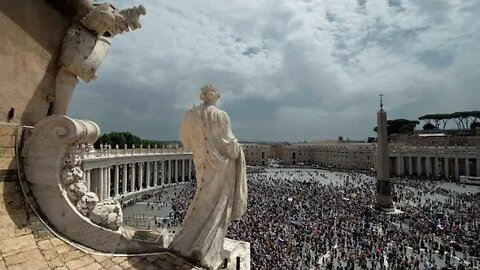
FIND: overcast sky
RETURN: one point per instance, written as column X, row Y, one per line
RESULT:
column 287, row 70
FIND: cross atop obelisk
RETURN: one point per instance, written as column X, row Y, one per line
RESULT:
column 381, row 101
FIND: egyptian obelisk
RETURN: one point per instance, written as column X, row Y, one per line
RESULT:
column 384, row 188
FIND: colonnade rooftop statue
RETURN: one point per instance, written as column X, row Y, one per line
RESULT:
column 221, row 194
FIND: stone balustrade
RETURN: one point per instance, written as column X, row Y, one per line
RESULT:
column 108, row 150
column 464, row 150
column 130, row 172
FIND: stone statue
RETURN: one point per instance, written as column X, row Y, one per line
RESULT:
column 221, row 194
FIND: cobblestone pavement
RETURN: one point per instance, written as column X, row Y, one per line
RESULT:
column 25, row 243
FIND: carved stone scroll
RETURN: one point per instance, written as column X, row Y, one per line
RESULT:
column 53, row 170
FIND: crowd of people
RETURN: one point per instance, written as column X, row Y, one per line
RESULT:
column 153, row 203
column 310, row 219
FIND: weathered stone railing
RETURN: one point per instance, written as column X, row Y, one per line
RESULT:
column 124, row 173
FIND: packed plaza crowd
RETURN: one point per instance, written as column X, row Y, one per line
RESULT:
column 313, row 219
column 153, row 209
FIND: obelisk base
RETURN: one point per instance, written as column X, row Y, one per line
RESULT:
column 384, row 196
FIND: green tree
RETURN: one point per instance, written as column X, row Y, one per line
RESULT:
column 405, row 129
column 444, row 117
column 427, row 118
column 120, row 138
column 400, row 126
column 474, row 125
column 462, row 119
column 429, row 126
column 436, row 118
column 475, row 116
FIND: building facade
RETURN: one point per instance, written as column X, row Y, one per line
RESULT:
column 415, row 155
column 256, row 154
column 341, row 155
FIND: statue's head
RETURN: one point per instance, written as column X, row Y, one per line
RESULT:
column 209, row 94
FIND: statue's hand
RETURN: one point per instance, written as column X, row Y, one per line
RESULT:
column 233, row 148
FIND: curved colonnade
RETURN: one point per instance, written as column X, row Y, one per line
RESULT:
column 447, row 161
column 127, row 173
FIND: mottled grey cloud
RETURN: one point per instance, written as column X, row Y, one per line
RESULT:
column 288, row 70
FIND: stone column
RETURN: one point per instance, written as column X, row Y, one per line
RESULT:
column 190, row 169
column 183, row 170
column 155, row 173
column 478, row 167
column 457, row 173
column 185, row 163
column 165, row 173
column 410, row 165
column 176, row 171
column 170, row 163
column 164, row 176
column 116, row 180
column 402, row 165
column 396, row 168
column 149, row 174
column 109, row 171
column 446, row 166
column 134, row 176
column 179, row 170
column 140, row 175
column 467, row 166
column 419, row 165
column 435, row 169
column 397, row 161
column 107, row 183
column 125, row 178
column 428, row 166
column 86, row 176
column 101, row 184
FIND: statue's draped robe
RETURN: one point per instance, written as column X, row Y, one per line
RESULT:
column 221, row 194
